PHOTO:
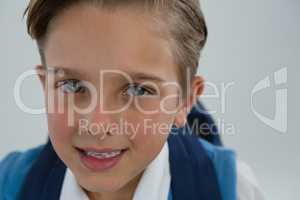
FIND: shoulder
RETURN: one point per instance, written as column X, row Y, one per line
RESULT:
column 230, row 169
column 224, row 162
column 218, row 154
column 13, row 169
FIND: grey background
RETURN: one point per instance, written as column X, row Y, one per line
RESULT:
column 248, row 40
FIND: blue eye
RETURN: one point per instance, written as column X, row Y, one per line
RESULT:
column 71, row 86
column 136, row 90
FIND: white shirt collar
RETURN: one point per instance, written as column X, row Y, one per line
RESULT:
column 154, row 184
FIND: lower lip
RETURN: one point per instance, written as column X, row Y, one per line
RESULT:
column 97, row 165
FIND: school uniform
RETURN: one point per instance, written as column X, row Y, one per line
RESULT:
column 186, row 168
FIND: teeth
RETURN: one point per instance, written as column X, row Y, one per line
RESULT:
column 103, row 155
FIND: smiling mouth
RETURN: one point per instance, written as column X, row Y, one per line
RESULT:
column 98, row 160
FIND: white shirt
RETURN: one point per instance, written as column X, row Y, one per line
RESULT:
column 159, row 172
column 247, row 185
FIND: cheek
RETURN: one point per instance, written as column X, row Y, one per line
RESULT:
column 150, row 135
column 61, row 134
column 60, row 129
column 58, row 126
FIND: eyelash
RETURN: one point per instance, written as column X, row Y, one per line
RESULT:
column 150, row 91
column 81, row 88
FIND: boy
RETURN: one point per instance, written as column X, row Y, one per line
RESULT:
column 120, row 79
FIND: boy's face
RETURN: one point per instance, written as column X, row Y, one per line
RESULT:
column 139, row 92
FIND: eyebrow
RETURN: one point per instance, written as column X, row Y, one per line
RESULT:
column 57, row 70
column 135, row 75
column 145, row 76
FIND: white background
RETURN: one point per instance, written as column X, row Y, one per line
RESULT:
column 248, row 40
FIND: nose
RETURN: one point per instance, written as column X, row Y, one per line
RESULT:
column 100, row 122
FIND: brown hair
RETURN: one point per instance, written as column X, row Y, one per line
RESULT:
column 184, row 19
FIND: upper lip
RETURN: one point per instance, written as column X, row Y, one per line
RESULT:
column 103, row 150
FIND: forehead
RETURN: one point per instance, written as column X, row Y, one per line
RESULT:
column 88, row 38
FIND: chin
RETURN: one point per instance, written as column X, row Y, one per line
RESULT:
column 95, row 184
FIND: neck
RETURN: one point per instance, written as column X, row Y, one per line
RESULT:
column 125, row 193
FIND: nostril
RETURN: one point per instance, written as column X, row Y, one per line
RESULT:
column 109, row 133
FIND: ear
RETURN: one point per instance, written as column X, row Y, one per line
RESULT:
column 41, row 72
column 197, row 88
